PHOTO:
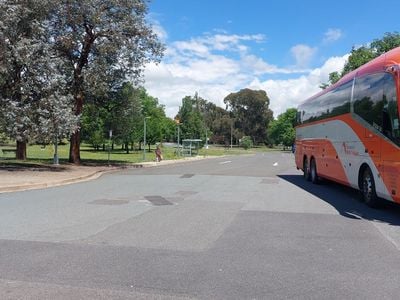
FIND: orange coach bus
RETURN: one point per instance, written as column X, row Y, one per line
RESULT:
column 350, row 132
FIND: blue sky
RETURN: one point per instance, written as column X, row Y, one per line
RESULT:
column 287, row 48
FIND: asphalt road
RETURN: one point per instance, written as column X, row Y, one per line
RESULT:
column 240, row 227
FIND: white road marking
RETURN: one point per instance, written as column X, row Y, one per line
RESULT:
column 389, row 232
column 275, row 164
column 225, row 162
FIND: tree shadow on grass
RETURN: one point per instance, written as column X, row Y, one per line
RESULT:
column 347, row 201
column 14, row 165
column 47, row 164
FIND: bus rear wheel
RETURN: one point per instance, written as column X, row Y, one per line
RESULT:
column 368, row 190
column 313, row 172
column 306, row 169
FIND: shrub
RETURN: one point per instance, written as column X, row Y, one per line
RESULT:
column 246, row 142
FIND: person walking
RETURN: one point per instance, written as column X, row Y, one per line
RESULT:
column 158, row 154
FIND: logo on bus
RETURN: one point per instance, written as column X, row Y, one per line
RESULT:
column 350, row 149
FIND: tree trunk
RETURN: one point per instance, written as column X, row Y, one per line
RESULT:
column 20, row 154
column 74, row 151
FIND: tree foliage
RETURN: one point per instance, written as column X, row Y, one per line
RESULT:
column 157, row 124
column 101, row 41
column 251, row 113
column 203, row 120
column 246, row 142
column 58, row 54
column 34, row 102
column 93, row 125
column 358, row 57
column 191, row 117
column 361, row 55
column 389, row 41
column 124, row 114
column 281, row 130
column 364, row 54
column 220, row 124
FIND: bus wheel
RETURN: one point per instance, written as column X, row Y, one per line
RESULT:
column 368, row 189
column 313, row 172
column 306, row 169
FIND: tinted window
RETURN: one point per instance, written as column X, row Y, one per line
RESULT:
column 368, row 98
column 390, row 116
column 332, row 103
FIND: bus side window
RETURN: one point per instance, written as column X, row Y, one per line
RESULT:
column 368, row 98
column 390, row 111
column 386, row 123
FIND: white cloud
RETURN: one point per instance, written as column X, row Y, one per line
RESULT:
column 213, row 69
column 158, row 29
column 332, row 34
column 258, row 66
column 216, row 65
column 213, row 79
column 303, row 54
column 284, row 94
column 218, row 42
column 193, row 47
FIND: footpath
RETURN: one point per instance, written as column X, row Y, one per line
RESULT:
column 19, row 179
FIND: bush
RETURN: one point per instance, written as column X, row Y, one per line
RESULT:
column 246, row 142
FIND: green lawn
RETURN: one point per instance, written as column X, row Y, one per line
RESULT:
column 44, row 155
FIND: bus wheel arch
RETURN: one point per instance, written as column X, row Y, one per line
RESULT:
column 367, row 187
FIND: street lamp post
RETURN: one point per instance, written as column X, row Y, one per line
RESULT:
column 144, row 138
column 177, row 121
column 109, row 145
column 231, row 134
column 179, row 130
column 55, row 159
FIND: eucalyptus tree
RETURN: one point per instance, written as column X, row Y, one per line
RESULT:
column 251, row 113
column 202, row 119
column 102, row 41
column 33, row 103
column 219, row 123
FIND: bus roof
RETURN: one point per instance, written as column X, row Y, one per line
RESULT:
column 380, row 63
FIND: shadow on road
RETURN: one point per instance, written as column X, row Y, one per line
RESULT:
column 346, row 200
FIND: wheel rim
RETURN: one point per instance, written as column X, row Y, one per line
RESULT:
column 367, row 185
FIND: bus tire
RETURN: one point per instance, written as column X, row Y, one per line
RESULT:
column 368, row 190
column 313, row 171
column 306, row 169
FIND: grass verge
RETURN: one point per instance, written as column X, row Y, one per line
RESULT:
column 40, row 157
